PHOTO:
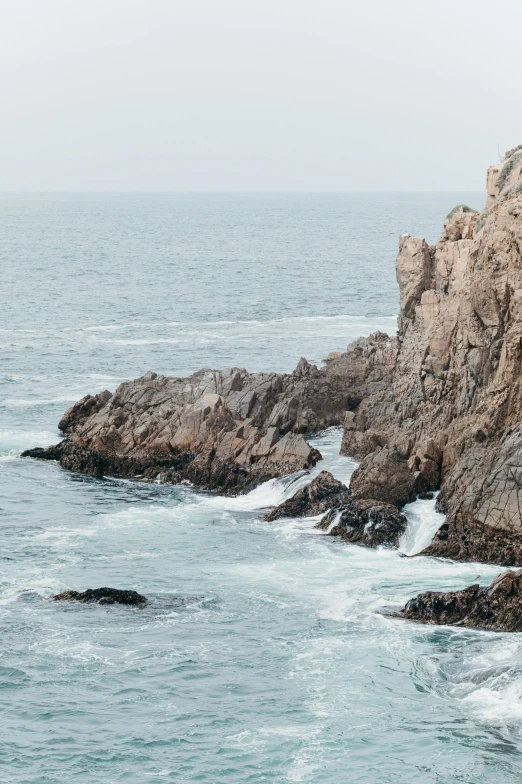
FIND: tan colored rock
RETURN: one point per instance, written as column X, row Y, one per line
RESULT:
column 491, row 185
column 457, row 390
column 226, row 430
column 414, row 271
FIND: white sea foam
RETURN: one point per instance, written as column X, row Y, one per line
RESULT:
column 22, row 402
column 335, row 520
column 489, row 682
column 44, row 587
column 371, row 322
column 423, row 523
column 15, row 441
column 139, row 341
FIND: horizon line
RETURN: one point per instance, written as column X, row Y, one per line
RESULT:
column 231, row 192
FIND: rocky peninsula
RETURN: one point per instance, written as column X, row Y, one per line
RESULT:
column 437, row 407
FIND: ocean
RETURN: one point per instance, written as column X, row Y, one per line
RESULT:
column 262, row 656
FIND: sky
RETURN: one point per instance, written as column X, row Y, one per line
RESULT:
column 257, row 95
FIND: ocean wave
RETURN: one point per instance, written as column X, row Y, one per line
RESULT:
column 423, row 523
column 20, row 402
column 488, row 683
column 138, row 341
column 15, row 441
column 362, row 320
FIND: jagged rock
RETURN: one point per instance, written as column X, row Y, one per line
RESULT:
column 321, row 494
column 497, row 607
column 385, row 476
column 484, row 544
column 103, row 596
column 452, row 412
column 85, row 408
column 228, row 430
column 365, row 521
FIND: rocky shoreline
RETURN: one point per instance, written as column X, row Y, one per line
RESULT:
column 497, row 608
column 437, row 407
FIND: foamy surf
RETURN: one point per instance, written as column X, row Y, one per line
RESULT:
column 423, row 523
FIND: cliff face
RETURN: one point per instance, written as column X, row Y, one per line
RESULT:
column 451, row 416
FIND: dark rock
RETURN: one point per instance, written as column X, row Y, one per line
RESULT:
column 321, row 494
column 497, row 607
column 50, row 453
column 458, row 541
column 367, row 522
column 104, row 596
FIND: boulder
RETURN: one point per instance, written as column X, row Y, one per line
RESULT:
column 321, row 494
column 497, row 607
column 368, row 522
column 103, row 596
column 385, row 476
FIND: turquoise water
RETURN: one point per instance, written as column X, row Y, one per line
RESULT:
column 262, row 656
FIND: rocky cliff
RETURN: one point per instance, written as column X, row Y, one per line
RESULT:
column 440, row 406
column 451, row 418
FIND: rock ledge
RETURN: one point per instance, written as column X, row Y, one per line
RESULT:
column 497, row 607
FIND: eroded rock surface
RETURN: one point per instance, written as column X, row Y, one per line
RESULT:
column 321, row 494
column 450, row 418
column 497, row 607
column 103, row 596
column 368, row 522
column 228, row 430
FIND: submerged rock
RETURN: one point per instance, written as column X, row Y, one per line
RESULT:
column 321, row 494
column 367, row 522
column 103, row 596
column 497, row 607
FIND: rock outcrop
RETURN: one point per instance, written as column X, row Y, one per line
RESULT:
column 497, row 607
column 451, row 418
column 228, row 430
column 103, row 596
column 366, row 522
column 437, row 407
column 323, row 493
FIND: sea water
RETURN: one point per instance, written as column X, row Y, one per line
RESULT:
column 263, row 655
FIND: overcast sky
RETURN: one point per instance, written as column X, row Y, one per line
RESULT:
column 307, row 95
